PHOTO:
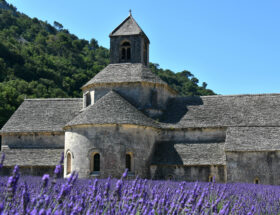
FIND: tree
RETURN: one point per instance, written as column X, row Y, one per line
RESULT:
column 58, row 26
column 39, row 60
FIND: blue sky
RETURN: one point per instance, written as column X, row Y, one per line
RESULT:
column 232, row 45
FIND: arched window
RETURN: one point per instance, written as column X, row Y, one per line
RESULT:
column 128, row 160
column 256, row 181
column 210, row 179
column 170, row 177
column 69, row 163
column 96, row 162
column 125, row 51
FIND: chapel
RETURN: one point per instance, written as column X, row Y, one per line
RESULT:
column 130, row 119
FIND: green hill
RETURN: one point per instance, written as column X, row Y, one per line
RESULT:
column 39, row 60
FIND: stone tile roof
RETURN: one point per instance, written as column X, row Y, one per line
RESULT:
column 32, row 157
column 223, row 111
column 125, row 72
column 167, row 153
column 112, row 109
column 43, row 115
column 128, row 27
column 252, row 139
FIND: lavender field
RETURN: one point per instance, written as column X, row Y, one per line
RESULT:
column 50, row 195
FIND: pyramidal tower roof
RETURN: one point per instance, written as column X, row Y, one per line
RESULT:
column 125, row 73
column 128, row 27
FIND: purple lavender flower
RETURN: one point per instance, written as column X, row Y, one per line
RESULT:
column 58, row 170
column 12, row 184
column 45, row 180
column 83, row 196
column 42, row 212
column 25, row 198
column 118, row 191
column 225, row 209
column 125, row 173
column 107, row 187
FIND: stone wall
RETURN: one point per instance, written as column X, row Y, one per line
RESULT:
column 137, row 48
column 112, row 142
column 34, row 140
column 199, row 165
column 194, row 135
column 189, row 173
column 247, row 166
column 143, row 96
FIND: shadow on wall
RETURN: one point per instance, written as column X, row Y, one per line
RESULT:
column 177, row 107
column 166, row 154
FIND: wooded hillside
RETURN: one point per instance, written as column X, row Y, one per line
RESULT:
column 40, row 60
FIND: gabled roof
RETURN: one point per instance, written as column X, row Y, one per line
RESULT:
column 43, row 115
column 168, row 153
column 253, row 139
column 123, row 73
column 112, row 109
column 128, row 27
column 224, row 111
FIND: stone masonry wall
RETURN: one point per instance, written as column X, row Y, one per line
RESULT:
column 136, row 48
column 247, row 166
column 112, row 143
column 194, row 135
column 139, row 95
column 34, row 140
column 189, row 173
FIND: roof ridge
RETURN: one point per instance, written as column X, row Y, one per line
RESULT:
column 128, row 63
column 240, row 95
column 55, row 99
column 118, row 27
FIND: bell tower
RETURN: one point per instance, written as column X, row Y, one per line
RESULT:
column 129, row 43
column 128, row 73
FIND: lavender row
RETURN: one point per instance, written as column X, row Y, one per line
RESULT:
column 51, row 195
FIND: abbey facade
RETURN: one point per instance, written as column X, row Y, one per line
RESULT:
column 130, row 118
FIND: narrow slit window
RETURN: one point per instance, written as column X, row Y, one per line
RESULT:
column 69, row 163
column 96, row 162
column 88, row 99
column 128, row 162
column 256, row 181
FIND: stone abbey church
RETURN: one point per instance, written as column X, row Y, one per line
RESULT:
column 130, row 118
